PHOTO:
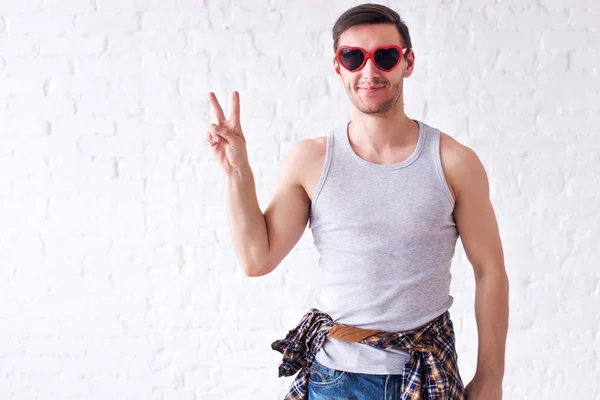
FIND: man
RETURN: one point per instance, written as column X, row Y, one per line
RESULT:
column 387, row 197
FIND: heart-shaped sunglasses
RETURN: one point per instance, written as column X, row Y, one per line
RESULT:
column 385, row 58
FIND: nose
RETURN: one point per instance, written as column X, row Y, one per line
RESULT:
column 370, row 69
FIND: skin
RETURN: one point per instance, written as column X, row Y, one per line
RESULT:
column 380, row 132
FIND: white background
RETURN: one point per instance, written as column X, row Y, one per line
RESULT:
column 118, row 279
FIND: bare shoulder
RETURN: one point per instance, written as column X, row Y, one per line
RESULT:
column 459, row 162
column 310, row 150
column 309, row 159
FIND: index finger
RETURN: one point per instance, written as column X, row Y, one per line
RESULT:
column 216, row 108
column 234, row 113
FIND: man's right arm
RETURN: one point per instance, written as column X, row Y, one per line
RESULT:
column 262, row 241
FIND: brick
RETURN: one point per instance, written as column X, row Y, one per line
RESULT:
column 93, row 45
column 41, row 22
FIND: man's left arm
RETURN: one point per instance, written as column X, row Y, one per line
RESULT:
column 478, row 230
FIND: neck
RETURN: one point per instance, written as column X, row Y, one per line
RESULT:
column 378, row 133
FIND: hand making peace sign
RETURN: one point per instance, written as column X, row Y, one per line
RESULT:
column 226, row 139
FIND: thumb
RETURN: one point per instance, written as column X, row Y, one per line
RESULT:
column 221, row 132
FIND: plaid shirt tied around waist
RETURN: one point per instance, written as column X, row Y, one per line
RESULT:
column 431, row 373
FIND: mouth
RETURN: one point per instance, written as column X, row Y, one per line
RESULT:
column 371, row 89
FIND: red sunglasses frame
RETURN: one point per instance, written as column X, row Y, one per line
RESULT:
column 370, row 55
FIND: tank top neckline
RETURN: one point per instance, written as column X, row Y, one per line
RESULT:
column 402, row 164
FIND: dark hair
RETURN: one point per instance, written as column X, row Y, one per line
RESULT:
column 370, row 14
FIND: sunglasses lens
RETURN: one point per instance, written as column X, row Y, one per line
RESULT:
column 351, row 58
column 387, row 58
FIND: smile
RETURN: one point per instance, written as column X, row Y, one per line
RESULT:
column 371, row 89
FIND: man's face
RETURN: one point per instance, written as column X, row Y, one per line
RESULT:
column 374, row 101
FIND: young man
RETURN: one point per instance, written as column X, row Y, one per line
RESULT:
column 387, row 197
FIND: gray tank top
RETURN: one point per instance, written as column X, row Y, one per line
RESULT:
column 386, row 237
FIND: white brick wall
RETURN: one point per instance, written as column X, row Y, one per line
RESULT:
column 118, row 279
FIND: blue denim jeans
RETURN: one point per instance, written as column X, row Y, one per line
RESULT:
column 325, row 383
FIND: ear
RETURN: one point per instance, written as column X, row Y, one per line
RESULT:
column 410, row 64
column 336, row 68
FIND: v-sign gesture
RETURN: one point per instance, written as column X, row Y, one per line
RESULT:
column 227, row 142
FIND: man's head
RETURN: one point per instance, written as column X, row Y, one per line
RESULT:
column 369, row 26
